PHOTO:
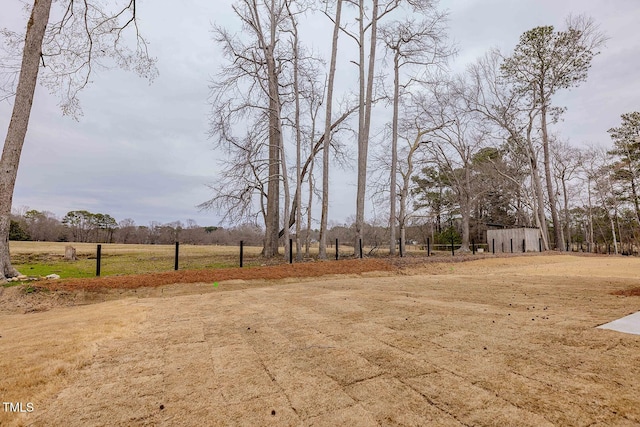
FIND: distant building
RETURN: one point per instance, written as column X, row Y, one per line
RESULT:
column 513, row 240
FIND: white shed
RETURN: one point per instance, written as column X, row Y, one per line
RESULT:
column 512, row 240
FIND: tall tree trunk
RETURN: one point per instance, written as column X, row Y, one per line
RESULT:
column 394, row 156
column 557, row 227
column 327, row 135
column 540, row 218
column 364, row 127
column 613, row 233
column 591, row 237
column 634, row 193
column 567, row 216
column 404, row 190
column 465, row 209
column 272, row 225
column 361, row 113
column 296, row 90
column 287, row 199
column 307, row 241
column 465, row 212
column 18, row 125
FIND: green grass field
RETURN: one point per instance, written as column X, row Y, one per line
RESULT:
column 43, row 258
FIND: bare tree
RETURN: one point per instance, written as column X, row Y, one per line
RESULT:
column 250, row 89
column 416, row 44
column 413, row 132
column 295, row 47
column 453, row 148
column 566, row 163
column 315, row 98
column 327, row 131
column 366, row 74
column 43, row 226
column 85, row 38
column 601, row 173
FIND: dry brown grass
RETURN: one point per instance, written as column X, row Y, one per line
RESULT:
column 488, row 342
column 40, row 354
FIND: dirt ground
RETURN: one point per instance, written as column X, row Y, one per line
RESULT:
column 497, row 341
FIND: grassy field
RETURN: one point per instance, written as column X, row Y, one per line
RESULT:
column 43, row 258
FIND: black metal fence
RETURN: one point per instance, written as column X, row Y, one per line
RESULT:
column 122, row 260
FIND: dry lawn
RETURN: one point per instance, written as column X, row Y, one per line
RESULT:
column 498, row 341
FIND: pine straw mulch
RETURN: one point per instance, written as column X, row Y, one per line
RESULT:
column 273, row 272
column 633, row 292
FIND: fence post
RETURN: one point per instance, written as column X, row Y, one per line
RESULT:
column 567, row 246
column 175, row 266
column 336, row 249
column 511, row 245
column 98, row 260
column 428, row 246
column 473, row 246
column 452, row 251
column 290, row 251
column 493, row 246
column 524, row 245
column 241, row 250
column 539, row 245
column 360, row 243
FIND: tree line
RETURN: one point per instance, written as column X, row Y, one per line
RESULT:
column 85, row 226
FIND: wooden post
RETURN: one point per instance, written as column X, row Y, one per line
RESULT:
column 98, row 260
column 241, row 250
column 524, row 245
column 175, row 264
column 360, row 243
column 511, row 245
column 493, row 245
column 452, row 251
column 336, row 249
column 428, row 246
column 473, row 246
column 290, row 251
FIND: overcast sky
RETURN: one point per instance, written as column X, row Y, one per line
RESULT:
column 141, row 151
